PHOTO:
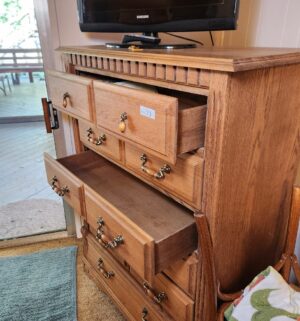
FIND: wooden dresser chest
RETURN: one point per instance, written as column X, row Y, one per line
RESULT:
column 162, row 135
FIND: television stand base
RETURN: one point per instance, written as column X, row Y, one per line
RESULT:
column 150, row 46
column 148, row 40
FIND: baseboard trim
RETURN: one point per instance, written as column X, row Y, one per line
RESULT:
column 21, row 119
column 33, row 239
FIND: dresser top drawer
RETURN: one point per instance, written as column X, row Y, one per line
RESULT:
column 166, row 124
column 71, row 94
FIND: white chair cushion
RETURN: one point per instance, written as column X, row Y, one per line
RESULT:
column 267, row 298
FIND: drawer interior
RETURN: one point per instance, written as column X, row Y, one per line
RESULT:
column 159, row 216
column 185, row 99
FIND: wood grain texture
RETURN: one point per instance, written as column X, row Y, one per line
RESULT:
column 149, row 81
column 158, row 134
column 252, row 155
column 177, row 304
column 176, row 125
column 191, row 128
column 75, row 195
column 80, row 103
column 184, row 181
column 111, row 147
column 292, row 231
column 157, row 235
column 219, row 59
column 184, row 274
column 124, row 290
column 206, row 283
column 137, row 247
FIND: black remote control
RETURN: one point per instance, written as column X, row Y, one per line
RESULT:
column 141, row 38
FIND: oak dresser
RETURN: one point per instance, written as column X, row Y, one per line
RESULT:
column 160, row 136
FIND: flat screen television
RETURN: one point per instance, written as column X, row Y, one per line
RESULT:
column 152, row 16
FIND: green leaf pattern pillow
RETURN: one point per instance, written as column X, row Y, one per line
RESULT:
column 267, row 298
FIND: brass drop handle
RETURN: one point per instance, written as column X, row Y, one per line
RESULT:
column 160, row 174
column 156, row 298
column 144, row 314
column 122, row 124
column 96, row 141
column 106, row 274
column 61, row 191
column 104, row 240
column 66, row 97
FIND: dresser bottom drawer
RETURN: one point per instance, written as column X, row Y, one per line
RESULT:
column 118, row 284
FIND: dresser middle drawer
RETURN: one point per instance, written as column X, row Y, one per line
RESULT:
column 100, row 140
column 148, row 239
column 71, row 94
column 183, row 180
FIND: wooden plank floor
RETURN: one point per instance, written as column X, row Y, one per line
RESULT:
column 23, row 177
column 22, row 171
column 24, row 100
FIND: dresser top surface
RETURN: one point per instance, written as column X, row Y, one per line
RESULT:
column 220, row 59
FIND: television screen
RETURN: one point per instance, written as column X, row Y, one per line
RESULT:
column 157, row 15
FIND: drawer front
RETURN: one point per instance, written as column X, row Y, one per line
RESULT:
column 137, row 248
column 119, row 283
column 183, row 180
column 71, row 94
column 168, row 296
column 144, row 118
column 65, row 184
column 184, row 274
column 100, row 141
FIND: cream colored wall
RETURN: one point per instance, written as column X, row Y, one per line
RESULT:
column 266, row 23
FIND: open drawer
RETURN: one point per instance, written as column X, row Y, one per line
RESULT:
column 71, row 94
column 65, row 184
column 147, row 229
column 165, row 124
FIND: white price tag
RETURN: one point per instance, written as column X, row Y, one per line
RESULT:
column 147, row 112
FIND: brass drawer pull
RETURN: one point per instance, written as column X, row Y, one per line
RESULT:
column 144, row 314
column 160, row 174
column 66, row 97
column 98, row 141
column 122, row 124
column 103, row 239
column 156, row 298
column 106, row 274
column 61, row 191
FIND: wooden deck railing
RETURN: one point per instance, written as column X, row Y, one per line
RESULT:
column 14, row 61
column 21, row 57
